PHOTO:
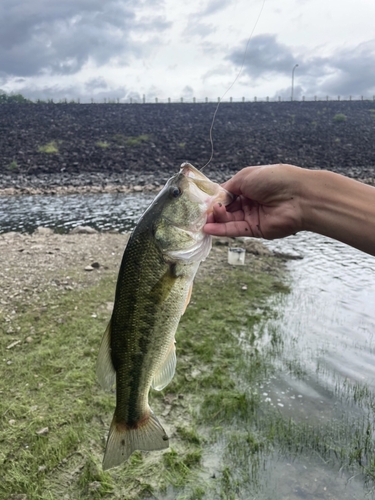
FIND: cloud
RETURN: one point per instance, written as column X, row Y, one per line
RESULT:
column 345, row 72
column 96, row 83
column 201, row 30
column 96, row 89
column 265, row 55
column 352, row 71
column 214, row 6
column 60, row 37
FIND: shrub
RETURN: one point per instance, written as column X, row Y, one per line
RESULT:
column 13, row 165
column 49, row 148
column 339, row 117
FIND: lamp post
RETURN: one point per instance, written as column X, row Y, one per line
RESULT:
column 294, row 67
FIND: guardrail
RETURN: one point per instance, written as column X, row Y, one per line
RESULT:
column 189, row 100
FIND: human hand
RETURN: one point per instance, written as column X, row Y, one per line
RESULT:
column 268, row 203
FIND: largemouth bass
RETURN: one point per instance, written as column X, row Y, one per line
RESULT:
column 153, row 290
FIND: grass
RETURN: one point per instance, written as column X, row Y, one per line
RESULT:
column 339, row 117
column 102, row 144
column 49, row 148
column 123, row 140
column 54, row 416
column 13, row 166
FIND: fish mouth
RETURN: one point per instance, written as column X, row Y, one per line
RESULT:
column 216, row 192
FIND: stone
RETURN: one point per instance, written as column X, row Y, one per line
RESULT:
column 83, row 230
column 43, row 432
column 43, row 231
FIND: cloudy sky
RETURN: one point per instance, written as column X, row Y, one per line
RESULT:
column 122, row 49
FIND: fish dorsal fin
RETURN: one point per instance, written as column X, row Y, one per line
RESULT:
column 166, row 370
column 104, row 368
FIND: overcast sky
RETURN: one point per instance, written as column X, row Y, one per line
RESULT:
column 117, row 49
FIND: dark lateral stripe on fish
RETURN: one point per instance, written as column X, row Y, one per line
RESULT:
column 140, row 342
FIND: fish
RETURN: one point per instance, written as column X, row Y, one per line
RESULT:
column 154, row 285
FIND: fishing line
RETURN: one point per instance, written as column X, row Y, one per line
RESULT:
column 231, row 85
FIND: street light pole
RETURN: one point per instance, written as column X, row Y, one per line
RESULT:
column 294, row 67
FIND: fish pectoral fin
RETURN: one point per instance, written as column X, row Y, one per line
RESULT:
column 121, row 443
column 187, row 301
column 167, row 369
column 104, row 368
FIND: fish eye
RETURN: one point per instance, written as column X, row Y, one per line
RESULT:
column 175, row 192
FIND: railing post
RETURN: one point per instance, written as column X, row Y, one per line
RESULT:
column 182, row 99
column 144, row 98
column 243, row 99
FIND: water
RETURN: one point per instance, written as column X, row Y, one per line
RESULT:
column 103, row 212
column 323, row 376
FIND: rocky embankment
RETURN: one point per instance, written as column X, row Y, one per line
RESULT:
column 118, row 147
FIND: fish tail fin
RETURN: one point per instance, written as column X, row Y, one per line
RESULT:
column 122, row 441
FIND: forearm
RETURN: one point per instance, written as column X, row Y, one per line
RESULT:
column 339, row 207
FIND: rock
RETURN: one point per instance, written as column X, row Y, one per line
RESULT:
column 223, row 241
column 13, row 344
column 89, row 268
column 43, row 432
column 94, row 486
column 43, row 231
column 95, row 265
column 256, row 247
column 83, row 230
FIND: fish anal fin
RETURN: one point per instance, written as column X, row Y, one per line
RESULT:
column 104, row 368
column 122, row 441
column 166, row 370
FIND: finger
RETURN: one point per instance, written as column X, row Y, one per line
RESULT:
column 233, row 228
column 210, row 218
column 235, row 205
column 220, row 213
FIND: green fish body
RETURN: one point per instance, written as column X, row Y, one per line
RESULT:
column 153, row 289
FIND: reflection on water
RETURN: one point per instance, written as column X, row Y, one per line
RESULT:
column 117, row 211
